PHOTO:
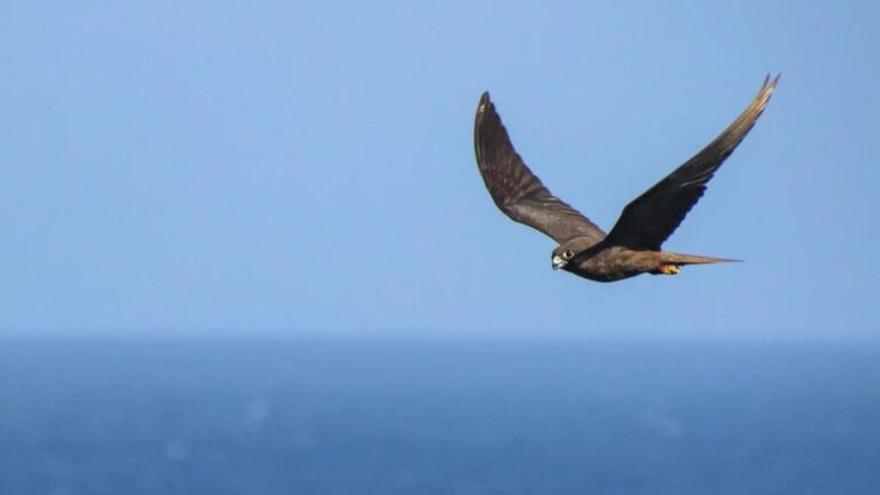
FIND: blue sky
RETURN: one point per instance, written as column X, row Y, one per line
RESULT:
column 281, row 167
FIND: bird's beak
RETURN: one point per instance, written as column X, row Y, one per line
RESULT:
column 558, row 262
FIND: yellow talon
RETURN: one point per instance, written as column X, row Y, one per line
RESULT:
column 669, row 269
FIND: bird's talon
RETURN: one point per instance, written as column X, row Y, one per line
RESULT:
column 670, row 269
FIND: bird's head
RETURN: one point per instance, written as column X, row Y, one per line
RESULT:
column 569, row 250
column 561, row 257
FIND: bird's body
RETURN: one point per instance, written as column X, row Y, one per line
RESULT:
column 604, row 262
column 633, row 246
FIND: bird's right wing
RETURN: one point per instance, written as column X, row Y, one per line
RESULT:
column 516, row 190
column 652, row 217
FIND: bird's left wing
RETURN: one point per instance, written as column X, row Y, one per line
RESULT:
column 652, row 217
column 516, row 190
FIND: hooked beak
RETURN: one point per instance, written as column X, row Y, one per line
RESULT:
column 558, row 262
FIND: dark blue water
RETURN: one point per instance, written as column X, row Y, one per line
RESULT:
column 195, row 416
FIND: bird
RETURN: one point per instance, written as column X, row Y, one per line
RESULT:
column 633, row 245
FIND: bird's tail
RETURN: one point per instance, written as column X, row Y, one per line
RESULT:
column 679, row 259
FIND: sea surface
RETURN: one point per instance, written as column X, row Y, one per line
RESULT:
column 437, row 416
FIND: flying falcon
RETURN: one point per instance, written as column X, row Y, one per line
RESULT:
column 632, row 247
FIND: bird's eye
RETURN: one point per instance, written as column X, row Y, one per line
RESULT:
column 568, row 254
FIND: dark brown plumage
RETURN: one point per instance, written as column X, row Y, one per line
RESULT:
column 633, row 245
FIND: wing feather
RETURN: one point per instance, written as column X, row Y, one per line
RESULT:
column 517, row 191
column 650, row 219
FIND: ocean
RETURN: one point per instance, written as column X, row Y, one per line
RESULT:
column 437, row 416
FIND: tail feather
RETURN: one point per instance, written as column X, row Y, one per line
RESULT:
column 690, row 259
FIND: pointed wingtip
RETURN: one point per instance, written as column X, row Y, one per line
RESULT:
column 766, row 91
column 485, row 101
column 770, row 82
